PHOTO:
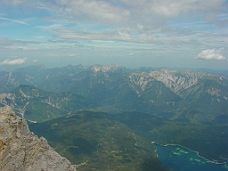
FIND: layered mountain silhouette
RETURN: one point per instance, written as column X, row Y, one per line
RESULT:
column 181, row 95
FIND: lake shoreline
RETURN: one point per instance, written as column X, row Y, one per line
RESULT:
column 209, row 161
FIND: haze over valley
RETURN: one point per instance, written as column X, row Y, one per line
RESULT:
column 114, row 85
column 168, row 106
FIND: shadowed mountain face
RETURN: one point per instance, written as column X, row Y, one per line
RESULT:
column 181, row 95
column 37, row 105
column 142, row 105
column 104, row 141
column 96, row 141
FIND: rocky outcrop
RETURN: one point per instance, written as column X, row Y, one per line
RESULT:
column 175, row 80
column 21, row 150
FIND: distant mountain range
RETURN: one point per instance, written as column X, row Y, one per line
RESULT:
column 104, row 117
column 38, row 93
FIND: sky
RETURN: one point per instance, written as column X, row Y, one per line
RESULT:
column 130, row 33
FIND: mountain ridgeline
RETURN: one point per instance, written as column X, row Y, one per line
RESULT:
column 39, row 94
column 106, row 117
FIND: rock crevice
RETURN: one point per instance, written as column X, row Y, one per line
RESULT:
column 21, row 150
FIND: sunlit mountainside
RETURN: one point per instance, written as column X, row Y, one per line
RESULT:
column 104, row 117
column 146, row 88
column 180, row 95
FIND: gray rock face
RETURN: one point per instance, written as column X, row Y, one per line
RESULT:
column 21, row 150
column 175, row 80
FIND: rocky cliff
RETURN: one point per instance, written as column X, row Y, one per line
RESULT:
column 21, row 150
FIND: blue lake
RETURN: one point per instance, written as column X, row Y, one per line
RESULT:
column 182, row 159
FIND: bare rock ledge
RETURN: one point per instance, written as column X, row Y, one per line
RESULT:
column 21, row 150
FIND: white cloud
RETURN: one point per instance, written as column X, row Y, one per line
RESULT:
column 72, row 55
column 137, row 14
column 148, row 20
column 211, row 54
column 103, row 11
column 21, row 2
column 20, row 48
column 14, row 21
column 15, row 43
column 186, row 25
column 53, row 55
column 13, row 2
column 175, row 8
column 51, row 27
column 153, row 13
column 14, row 61
column 107, row 36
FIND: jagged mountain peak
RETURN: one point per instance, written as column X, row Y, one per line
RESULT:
column 105, row 68
column 38, row 67
column 175, row 80
column 114, row 88
column 22, row 150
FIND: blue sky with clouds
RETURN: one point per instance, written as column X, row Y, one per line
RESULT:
column 131, row 33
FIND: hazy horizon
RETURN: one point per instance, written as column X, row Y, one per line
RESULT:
column 14, row 68
column 148, row 33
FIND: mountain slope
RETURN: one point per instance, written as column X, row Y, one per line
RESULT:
column 208, row 98
column 181, row 95
column 37, row 105
column 210, row 140
column 125, row 138
column 93, row 142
